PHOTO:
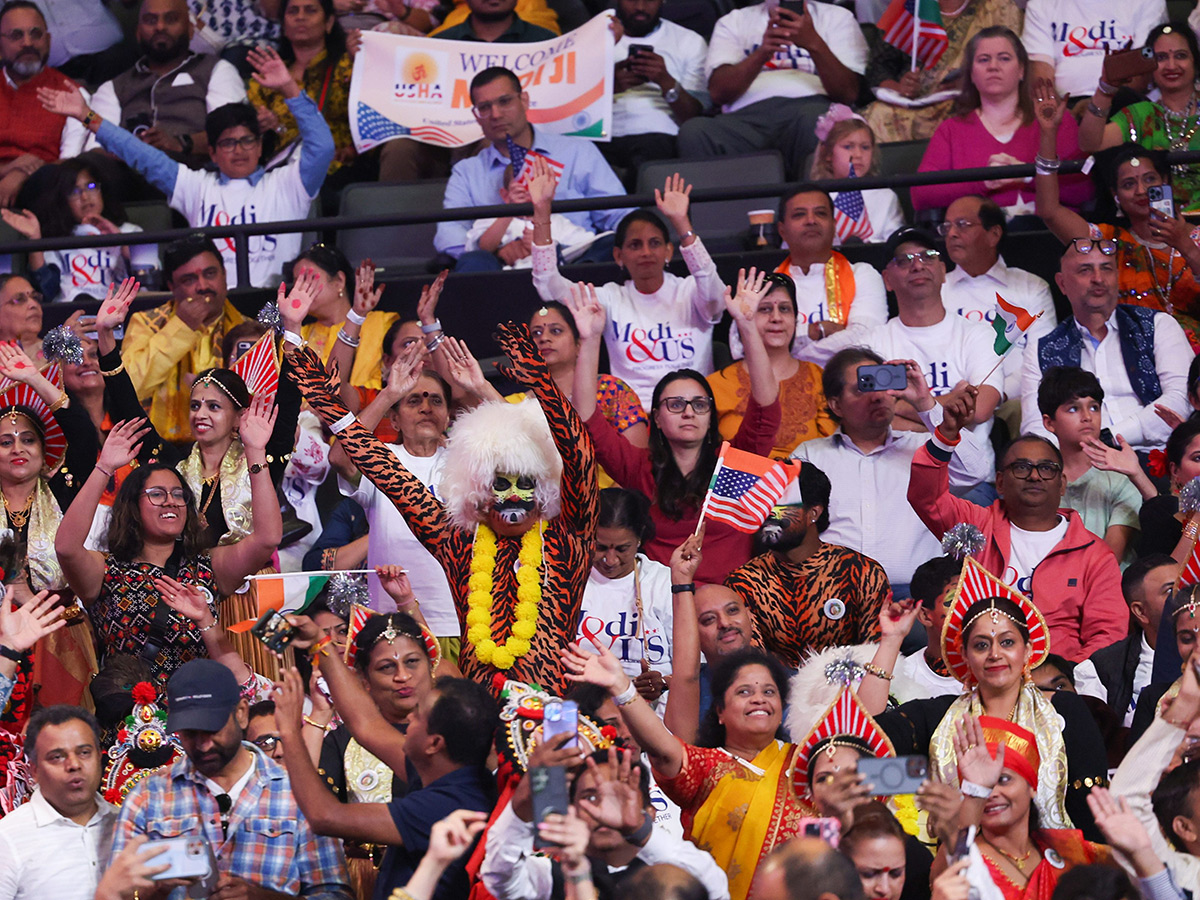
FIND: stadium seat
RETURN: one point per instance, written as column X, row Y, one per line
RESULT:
column 397, row 248
column 901, row 157
column 723, row 224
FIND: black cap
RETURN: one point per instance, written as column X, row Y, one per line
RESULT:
column 907, row 235
column 201, row 696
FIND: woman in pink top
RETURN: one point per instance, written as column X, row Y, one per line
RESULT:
column 994, row 126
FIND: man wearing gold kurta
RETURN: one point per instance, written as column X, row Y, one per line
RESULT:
column 166, row 346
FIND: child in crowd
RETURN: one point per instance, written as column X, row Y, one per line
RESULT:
column 492, row 234
column 80, row 202
column 847, row 150
column 1107, row 500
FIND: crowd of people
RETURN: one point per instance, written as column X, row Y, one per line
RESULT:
column 303, row 605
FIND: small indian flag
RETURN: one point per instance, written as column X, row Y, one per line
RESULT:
column 1010, row 323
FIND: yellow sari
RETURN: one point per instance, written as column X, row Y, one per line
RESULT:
column 737, row 810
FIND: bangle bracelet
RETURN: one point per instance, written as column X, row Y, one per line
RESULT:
column 343, row 423
column 210, row 626
column 346, row 339
column 111, row 372
column 104, row 470
column 872, row 669
column 59, row 403
column 978, row 791
column 626, row 696
column 1098, row 112
column 689, row 588
column 435, row 343
column 435, row 325
column 354, row 317
column 315, row 724
column 687, row 234
column 1105, row 88
column 292, row 338
column 937, row 433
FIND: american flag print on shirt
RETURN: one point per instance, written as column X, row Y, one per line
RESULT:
column 850, row 217
column 519, row 155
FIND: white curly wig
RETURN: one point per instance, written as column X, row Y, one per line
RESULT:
column 499, row 437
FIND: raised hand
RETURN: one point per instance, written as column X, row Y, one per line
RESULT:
column 115, row 308
column 289, row 703
column 942, row 802
column 23, row 222
column 258, row 422
column 1172, row 419
column 306, row 633
column 405, row 370
column 462, row 367
column 1048, row 106
column 189, row 600
column 542, row 183
column 430, row 294
column 451, row 837
column 844, row 792
column 122, row 444
column 896, row 618
column 1122, row 829
column 590, row 317
column 975, row 763
column 394, row 580
column 295, row 304
column 15, row 364
column 269, row 69
column 617, row 800
column 674, row 199
column 22, row 627
column 600, row 668
column 570, row 833
column 752, row 287
column 366, row 294
column 686, row 558
column 1104, row 457
column 68, row 103
column 958, row 411
column 527, row 366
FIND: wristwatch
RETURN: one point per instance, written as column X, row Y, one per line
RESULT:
column 672, row 95
column 186, row 144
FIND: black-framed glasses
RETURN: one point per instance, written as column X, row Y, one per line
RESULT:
column 18, row 34
column 961, row 224
column 90, row 188
column 1023, row 468
column 267, row 742
column 699, row 405
column 159, row 496
column 904, row 261
column 246, row 142
column 1085, row 245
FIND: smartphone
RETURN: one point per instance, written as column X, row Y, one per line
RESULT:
column 186, row 857
column 962, row 844
column 635, row 49
column 1162, row 200
column 549, row 788
column 561, row 717
column 894, row 774
column 886, row 377
column 796, row 6
column 827, row 829
column 274, row 631
column 1126, row 64
column 1106, row 438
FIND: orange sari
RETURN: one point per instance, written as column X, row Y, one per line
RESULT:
column 1062, row 849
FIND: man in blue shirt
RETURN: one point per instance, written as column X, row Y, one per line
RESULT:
column 502, row 110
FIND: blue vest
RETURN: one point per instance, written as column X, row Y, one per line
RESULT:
column 1135, row 332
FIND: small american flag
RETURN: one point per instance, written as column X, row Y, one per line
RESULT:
column 850, row 217
column 897, row 25
column 519, row 155
column 744, row 487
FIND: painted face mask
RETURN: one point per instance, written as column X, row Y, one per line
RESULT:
column 784, row 529
column 513, row 497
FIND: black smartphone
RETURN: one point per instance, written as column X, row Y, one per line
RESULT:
column 1106, row 438
column 886, row 377
column 549, row 787
column 274, row 631
column 795, row 6
column 635, row 49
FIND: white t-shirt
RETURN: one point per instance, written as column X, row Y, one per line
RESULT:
column 1072, row 35
column 642, row 110
column 650, row 335
column 791, row 73
column 89, row 270
column 1029, row 548
column 208, row 198
column 391, row 541
column 883, row 212
column 923, row 682
column 609, row 615
column 565, row 233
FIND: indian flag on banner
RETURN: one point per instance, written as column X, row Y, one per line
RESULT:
column 1010, row 323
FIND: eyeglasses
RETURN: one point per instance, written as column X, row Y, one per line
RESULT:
column 961, row 224
column 246, row 142
column 1085, row 245
column 158, row 496
column 503, row 104
column 18, row 34
column 90, row 188
column 1023, row 468
column 267, row 742
column 26, row 297
column 905, row 261
column 699, row 405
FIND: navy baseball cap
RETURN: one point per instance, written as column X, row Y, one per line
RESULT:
column 201, row 696
column 910, row 235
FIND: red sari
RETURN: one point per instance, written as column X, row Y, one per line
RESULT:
column 1061, row 849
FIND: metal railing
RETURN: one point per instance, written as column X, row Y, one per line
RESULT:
column 242, row 232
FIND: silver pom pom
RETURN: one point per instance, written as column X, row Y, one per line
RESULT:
column 269, row 316
column 844, row 671
column 344, row 591
column 62, row 344
column 963, row 540
column 1189, row 497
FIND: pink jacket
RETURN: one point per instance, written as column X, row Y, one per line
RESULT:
column 1077, row 586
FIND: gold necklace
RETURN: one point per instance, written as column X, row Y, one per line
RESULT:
column 215, row 483
column 18, row 517
column 1019, row 862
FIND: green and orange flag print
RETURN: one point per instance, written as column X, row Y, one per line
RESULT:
column 1010, row 323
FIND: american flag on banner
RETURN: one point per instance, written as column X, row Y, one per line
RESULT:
column 519, row 155
column 259, row 367
column 359, row 615
column 744, row 487
column 850, row 217
column 900, row 19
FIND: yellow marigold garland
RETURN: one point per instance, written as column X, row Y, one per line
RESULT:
column 479, row 598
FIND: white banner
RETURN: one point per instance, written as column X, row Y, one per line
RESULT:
column 418, row 87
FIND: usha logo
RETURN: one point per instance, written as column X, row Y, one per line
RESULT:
column 417, row 75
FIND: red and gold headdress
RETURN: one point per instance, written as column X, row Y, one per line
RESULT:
column 21, row 399
column 976, row 584
column 521, row 721
column 1021, row 750
column 846, row 723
